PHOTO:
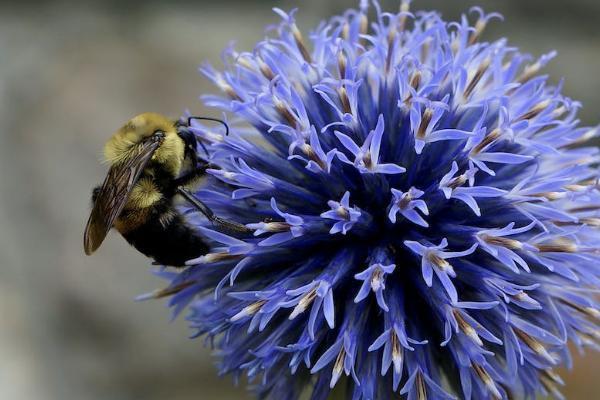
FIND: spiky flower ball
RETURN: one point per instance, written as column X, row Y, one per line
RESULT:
column 423, row 219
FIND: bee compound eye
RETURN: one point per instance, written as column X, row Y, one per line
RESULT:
column 158, row 135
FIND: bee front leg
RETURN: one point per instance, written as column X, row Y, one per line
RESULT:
column 210, row 215
column 192, row 176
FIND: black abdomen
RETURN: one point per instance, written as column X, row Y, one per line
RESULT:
column 173, row 244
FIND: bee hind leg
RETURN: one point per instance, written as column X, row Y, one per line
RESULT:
column 209, row 214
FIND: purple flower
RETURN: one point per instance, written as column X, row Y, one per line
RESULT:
column 341, row 212
column 433, row 259
column 366, row 157
column 424, row 214
column 374, row 278
column 405, row 204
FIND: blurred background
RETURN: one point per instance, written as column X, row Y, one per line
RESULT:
column 73, row 72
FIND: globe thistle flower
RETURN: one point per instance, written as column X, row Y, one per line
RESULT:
column 423, row 220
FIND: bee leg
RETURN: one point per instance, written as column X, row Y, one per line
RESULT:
column 96, row 193
column 204, row 209
column 192, row 176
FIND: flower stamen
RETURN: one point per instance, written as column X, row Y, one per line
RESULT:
column 213, row 258
column 550, row 380
column 342, row 64
column 427, row 115
column 338, row 367
column 404, row 9
column 265, row 69
column 168, row 291
column 535, row 110
column 248, row 310
column 304, row 302
column 590, row 134
column 343, row 93
column 227, row 88
column 522, row 296
column 487, row 140
column 301, row 44
column 502, row 241
column 245, row 63
column 312, row 155
column 397, row 352
column 479, row 28
column 405, row 200
column 440, row 263
column 589, row 339
column 415, row 81
column 550, row 195
column 487, row 380
column 529, row 72
column 588, row 311
column 558, row 246
column 367, row 160
column 425, row 50
column 466, row 328
column 478, row 75
column 593, row 222
column 343, row 212
column 535, row 345
column 277, row 226
column 458, row 181
column 421, row 389
column 552, row 375
column 376, row 279
column 364, row 23
column 285, row 113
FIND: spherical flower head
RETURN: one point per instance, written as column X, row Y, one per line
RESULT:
column 423, row 214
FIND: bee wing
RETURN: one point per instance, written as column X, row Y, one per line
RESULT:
column 113, row 195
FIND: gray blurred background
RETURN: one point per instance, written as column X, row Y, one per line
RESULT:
column 70, row 74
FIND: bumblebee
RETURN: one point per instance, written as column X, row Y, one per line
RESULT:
column 152, row 159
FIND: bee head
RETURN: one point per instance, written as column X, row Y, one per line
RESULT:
column 141, row 129
column 190, row 142
column 190, row 139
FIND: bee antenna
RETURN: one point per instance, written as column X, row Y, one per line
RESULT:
column 211, row 119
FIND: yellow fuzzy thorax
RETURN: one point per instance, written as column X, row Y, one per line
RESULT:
column 170, row 153
column 143, row 195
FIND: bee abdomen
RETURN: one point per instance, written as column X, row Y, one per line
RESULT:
column 171, row 244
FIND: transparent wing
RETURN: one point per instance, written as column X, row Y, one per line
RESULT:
column 114, row 193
